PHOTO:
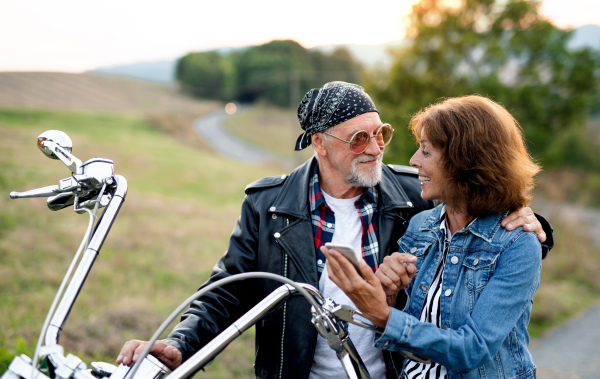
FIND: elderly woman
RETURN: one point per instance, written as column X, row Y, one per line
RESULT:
column 470, row 300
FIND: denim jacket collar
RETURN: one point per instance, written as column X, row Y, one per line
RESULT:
column 484, row 228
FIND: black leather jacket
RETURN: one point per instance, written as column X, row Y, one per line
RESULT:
column 275, row 234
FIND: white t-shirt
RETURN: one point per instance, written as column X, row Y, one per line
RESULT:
column 348, row 229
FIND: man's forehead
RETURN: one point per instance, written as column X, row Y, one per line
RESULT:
column 369, row 119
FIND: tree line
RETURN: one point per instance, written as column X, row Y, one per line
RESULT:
column 277, row 72
column 502, row 49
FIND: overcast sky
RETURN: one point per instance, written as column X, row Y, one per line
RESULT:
column 80, row 35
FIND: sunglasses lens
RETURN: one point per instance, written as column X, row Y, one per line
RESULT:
column 359, row 142
column 385, row 135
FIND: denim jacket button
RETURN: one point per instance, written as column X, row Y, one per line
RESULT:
column 277, row 235
column 454, row 260
column 412, row 251
column 476, row 261
column 448, row 292
column 386, row 343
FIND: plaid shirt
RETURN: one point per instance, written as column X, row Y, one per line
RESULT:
column 323, row 220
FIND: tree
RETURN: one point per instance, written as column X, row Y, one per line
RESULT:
column 265, row 72
column 278, row 72
column 498, row 48
column 206, row 75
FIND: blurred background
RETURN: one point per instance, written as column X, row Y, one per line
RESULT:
column 194, row 100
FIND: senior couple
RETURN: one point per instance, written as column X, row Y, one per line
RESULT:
column 450, row 254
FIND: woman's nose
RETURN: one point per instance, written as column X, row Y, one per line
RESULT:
column 413, row 161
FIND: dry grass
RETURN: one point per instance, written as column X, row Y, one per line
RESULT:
column 172, row 228
column 162, row 105
column 89, row 92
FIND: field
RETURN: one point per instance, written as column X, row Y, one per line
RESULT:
column 182, row 203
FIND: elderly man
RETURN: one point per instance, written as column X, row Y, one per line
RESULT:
column 343, row 194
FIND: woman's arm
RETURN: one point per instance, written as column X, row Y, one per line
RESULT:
column 497, row 310
column 478, row 339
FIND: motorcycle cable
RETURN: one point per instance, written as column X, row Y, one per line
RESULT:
column 210, row 287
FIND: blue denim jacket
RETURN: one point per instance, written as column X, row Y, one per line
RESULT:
column 490, row 277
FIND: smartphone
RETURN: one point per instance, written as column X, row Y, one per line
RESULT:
column 346, row 250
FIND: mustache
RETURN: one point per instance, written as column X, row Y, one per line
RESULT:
column 368, row 158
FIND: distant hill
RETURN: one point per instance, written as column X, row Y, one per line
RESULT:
column 157, row 71
column 164, row 71
column 53, row 90
column 586, row 36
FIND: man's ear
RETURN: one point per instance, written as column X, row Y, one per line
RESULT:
column 317, row 142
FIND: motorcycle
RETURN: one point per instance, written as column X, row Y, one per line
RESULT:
column 93, row 186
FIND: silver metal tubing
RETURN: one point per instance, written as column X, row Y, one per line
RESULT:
column 311, row 294
column 352, row 361
column 109, row 215
column 85, row 265
column 214, row 347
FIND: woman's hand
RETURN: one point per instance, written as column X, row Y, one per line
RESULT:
column 395, row 273
column 367, row 294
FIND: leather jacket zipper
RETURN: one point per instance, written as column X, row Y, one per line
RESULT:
column 285, row 274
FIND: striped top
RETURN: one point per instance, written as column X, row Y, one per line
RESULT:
column 431, row 313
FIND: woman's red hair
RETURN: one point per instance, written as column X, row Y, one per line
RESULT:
column 487, row 165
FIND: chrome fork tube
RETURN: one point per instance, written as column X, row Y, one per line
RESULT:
column 85, row 265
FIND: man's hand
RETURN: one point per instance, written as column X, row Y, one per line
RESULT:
column 164, row 352
column 367, row 294
column 524, row 217
column 395, row 273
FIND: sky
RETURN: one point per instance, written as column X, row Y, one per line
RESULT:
column 81, row 35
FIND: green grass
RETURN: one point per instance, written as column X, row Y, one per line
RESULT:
column 174, row 225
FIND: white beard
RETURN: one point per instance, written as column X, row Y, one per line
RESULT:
column 365, row 178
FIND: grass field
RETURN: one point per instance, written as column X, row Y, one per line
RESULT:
column 182, row 203
column 174, row 225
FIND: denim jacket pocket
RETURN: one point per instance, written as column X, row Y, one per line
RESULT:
column 480, row 266
column 418, row 248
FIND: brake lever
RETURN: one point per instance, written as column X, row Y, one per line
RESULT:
column 346, row 313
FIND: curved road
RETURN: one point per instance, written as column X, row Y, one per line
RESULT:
column 210, row 127
column 571, row 351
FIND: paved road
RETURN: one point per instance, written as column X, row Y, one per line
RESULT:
column 571, row 351
column 211, row 128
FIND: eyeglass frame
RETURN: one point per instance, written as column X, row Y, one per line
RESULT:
column 370, row 136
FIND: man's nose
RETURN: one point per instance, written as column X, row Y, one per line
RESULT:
column 373, row 148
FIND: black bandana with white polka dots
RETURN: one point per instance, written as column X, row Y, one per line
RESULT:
column 334, row 103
